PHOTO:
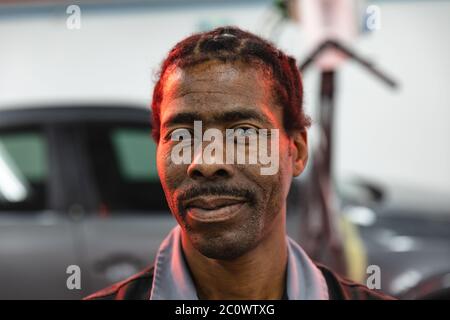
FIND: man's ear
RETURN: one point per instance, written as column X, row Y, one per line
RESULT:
column 299, row 151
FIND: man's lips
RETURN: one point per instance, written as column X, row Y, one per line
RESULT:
column 212, row 202
column 213, row 208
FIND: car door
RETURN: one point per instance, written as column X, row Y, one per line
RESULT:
column 130, row 217
column 36, row 237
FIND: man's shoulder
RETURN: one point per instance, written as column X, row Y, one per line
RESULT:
column 340, row 288
column 136, row 287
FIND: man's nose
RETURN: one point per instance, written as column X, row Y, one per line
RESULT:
column 209, row 168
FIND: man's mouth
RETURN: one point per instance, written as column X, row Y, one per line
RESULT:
column 213, row 208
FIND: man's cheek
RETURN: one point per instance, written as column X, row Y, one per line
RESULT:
column 275, row 186
column 265, row 183
column 167, row 170
column 171, row 179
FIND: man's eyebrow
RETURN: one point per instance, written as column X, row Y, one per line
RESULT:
column 223, row 117
column 182, row 118
column 237, row 115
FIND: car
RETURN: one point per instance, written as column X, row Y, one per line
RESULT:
column 407, row 236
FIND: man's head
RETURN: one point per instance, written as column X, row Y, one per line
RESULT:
column 228, row 79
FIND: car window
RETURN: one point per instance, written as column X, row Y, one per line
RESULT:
column 23, row 170
column 123, row 162
column 135, row 153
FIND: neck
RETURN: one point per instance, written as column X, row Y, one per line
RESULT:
column 259, row 274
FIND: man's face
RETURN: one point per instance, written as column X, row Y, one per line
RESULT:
column 225, row 209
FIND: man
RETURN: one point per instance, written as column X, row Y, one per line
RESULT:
column 231, row 241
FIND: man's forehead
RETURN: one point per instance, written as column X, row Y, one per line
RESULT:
column 214, row 76
column 210, row 90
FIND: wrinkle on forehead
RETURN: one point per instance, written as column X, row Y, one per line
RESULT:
column 217, row 85
column 215, row 77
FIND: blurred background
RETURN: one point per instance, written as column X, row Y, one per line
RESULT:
column 78, row 182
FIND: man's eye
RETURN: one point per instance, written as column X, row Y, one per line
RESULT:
column 181, row 134
column 245, row 132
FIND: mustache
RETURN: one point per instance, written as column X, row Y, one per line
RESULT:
column 215, row 190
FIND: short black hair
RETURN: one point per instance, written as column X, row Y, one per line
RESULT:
column 228, row 44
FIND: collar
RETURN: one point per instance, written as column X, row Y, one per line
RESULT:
column 172, row 279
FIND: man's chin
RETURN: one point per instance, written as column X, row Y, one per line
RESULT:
column 222, row 245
